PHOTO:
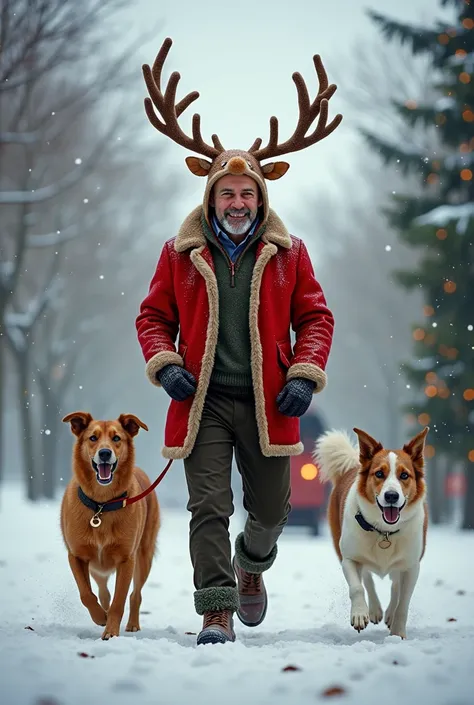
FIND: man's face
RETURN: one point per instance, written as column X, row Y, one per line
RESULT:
column 236, row 200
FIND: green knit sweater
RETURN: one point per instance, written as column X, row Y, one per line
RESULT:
column 232, row 360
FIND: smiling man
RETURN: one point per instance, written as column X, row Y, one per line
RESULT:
column 227, row 289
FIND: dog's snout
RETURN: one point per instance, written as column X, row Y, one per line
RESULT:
column 105, row 454
column 391, row 497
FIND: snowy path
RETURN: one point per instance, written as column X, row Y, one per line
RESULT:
column 307, row 626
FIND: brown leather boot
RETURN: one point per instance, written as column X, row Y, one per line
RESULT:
column 217, row 628
column 253, row 597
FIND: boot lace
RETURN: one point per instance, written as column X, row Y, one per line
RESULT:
column 217, row 618
column 251, row 583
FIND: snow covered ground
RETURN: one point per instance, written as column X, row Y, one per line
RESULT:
column 52, row 654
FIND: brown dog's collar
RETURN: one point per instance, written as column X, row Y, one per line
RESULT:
column 97, row 507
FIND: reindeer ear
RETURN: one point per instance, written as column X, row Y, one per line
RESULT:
column 415, row 447
column 275, row 170
column 198, row 166
column 368, row 447
column 131, row 423
column 79, row 421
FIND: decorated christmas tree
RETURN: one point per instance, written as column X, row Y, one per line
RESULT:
column 438, row 222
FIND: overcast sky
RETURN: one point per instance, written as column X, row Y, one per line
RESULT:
column 240, row 56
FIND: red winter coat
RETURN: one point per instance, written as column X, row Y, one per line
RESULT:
column 183, row 298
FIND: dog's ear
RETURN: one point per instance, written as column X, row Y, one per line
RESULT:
column 79, row 421
column 415, row 448
column 131, row 423
column 368, row 447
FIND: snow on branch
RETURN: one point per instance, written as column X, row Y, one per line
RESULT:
column 44, row 193
column 19, row 137
column 442, row 215
column 25, row 320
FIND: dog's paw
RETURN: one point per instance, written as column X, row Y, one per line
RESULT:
column 359, row 617
column 375, row 613
column 389, row 614
column 132, row 627
column 98, row 615
column 109, row 632
column 398, row 628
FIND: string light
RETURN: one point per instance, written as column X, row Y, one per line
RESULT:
column 428, row 310
column 443, row 38
column 468, row 115
column 419, row 334
column 424, row 419
column 468, row 394
column 468, row 23
column 429, row 451
column 441, row 234
column 431, row 391
column 449, row 287
column 411, row 104
column 466, row 174
column 470, row 456
column 464, row 77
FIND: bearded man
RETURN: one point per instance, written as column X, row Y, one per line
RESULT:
column 215, row 334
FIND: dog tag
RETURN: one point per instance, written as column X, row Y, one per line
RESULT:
column 95, row 521
column 385, row 542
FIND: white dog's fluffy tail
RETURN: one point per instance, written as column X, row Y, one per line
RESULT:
column 335, row 454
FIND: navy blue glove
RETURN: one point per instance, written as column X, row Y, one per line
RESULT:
column 177, row 382
column 295, row 397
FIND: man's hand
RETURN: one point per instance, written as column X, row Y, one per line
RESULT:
column 177, row 382
column 295, row 397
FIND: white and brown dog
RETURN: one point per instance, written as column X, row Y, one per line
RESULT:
column 378, row 519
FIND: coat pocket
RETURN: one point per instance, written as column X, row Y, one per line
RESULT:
column 284, row 353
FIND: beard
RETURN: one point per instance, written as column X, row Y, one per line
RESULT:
column 238, row 226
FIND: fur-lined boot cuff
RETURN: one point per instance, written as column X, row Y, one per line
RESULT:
column 252, row 565
column 215, row 599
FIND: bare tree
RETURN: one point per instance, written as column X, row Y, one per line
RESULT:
column 44, row 117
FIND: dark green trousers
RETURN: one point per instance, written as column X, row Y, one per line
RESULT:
column 229, row 426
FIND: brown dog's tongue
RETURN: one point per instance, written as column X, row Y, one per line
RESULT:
column 104, row 471
column 390, row 514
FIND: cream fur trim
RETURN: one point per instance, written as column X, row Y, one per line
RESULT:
column 160, row 360
column 190, row 234
column 195, row 413
column 256, row 359
column 308, row 371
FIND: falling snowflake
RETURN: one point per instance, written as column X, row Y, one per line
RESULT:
column 86, row 200
column 47, row 432
column 78, row 161
column 408, row 386
column 434, row 324
column 388, row 248
column 101, row 276
column 80, row 386
column 470, row 327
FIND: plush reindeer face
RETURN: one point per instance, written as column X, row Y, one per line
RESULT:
column 221, row 162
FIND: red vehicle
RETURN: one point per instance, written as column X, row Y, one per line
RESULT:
column 308, row 494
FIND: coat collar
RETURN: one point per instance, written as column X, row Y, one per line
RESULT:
column 190, row 234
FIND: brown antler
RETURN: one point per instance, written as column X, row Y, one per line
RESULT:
column 307, row 114
column 165, row 104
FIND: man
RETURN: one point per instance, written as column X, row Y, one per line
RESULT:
column 228, row 288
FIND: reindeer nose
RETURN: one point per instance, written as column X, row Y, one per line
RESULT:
column 105, row 454
column 391, row 497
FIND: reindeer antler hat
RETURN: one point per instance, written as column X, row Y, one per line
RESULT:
column 236, row 161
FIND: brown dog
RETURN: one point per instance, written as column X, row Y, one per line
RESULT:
column 117, row 538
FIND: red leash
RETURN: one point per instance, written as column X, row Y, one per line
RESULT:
column 96, row 520
column 131, row 500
